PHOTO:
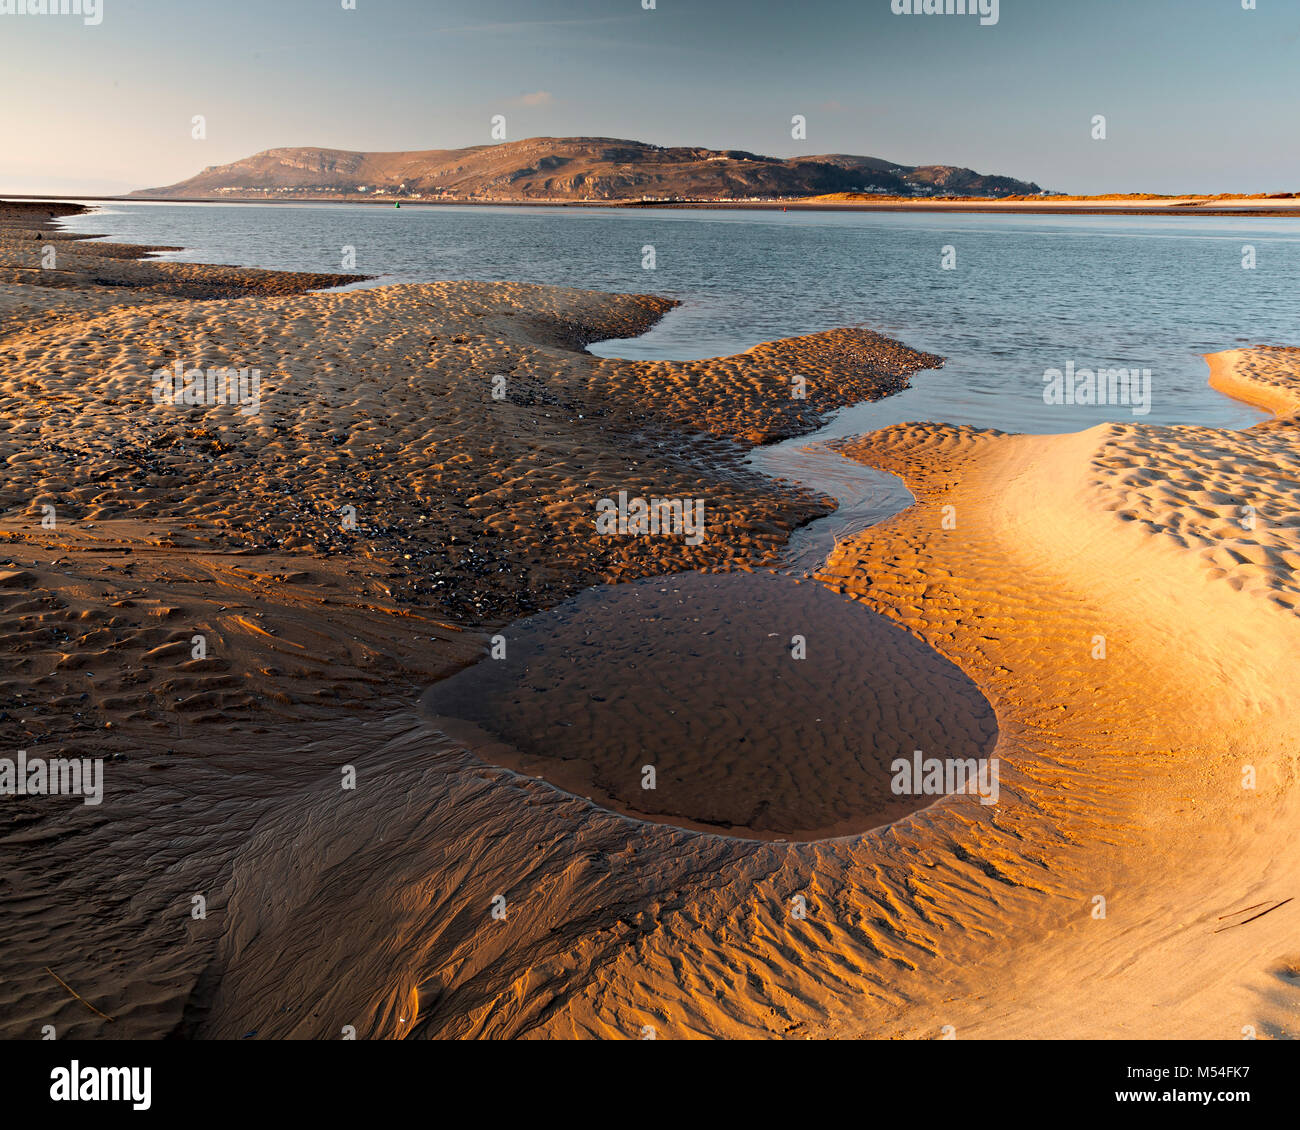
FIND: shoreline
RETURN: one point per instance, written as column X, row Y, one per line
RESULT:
column 1137, row 754
column 1117, row 772
column 1242, row 208
column 1272, row 396
column 311, row 632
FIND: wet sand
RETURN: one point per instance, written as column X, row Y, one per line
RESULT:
column 1122, row 777
column 766, row 707
column 356, row 539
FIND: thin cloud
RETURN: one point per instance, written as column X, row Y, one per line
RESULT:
column 536, row 98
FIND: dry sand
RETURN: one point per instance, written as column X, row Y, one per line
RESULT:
column 1115, row 204
column 1121, row 777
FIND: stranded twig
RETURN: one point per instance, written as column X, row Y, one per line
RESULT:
column 83, row 1000
column 1234, row 914
column 1254, row 916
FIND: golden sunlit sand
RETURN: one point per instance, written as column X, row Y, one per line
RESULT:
column 1123, row 597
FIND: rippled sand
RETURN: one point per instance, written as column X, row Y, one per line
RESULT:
column 765, row 707
column 373, row 907
column 171, row 523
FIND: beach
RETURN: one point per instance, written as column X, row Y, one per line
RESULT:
column 1123, row 599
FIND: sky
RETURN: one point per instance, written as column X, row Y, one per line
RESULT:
column 1198, row 95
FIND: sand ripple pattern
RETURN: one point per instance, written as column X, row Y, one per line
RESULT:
column 1122, row 775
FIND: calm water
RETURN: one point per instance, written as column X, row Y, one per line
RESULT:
column 1028, row 294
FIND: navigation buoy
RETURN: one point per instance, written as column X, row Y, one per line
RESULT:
column 396, row 205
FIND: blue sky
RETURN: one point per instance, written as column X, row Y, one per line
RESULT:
column 1199, row 95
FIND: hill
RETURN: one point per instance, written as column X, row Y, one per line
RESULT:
column 572, row 168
